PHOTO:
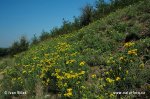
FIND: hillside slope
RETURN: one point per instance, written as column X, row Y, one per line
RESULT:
column 108, row 56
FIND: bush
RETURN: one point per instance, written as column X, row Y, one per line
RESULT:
column 86, row 15
column 4, row 52
column 34, row 40
column 20, row 46
column 44, row 36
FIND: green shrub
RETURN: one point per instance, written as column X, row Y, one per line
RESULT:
column 20, row 46
column 44, row 36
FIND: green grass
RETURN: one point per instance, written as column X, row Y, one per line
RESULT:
column 91, row 63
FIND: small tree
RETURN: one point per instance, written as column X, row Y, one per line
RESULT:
column 76, row 24
column 44, row 35
column 55, row 31
column 14, row 49
column 20, row 46
column 102, row 8
column 86, row 15
column 66, row 27
column 4, row 52
column 34, row 40
column 24, row 44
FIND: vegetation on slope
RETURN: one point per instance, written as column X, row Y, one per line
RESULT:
column 89, row 14
column 108, row 56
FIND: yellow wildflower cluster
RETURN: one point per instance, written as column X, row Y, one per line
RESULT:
column 74, row 54
column 141, row 66
column 69, row 92
column 66, row 76
column 111, row 95
column 46, row 55
column 17, row 79
column 46, row 82
column 70, row 61
column 82, row 63
column 107, row 73
column 118, row 78
column 73, row 75
column 132, row 52
column 61, row 47
column 57, row 70
column 70, row 75
column 127, row 72
column 109, row 80
column 93, row 75
column 83, row 87
column 122, row 58
column 128, row 44
column 58, row 59
column 111, row 60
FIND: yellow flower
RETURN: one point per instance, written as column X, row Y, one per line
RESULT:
column 107, row 73
column 82, row 63
column 128, row 44
column 111, row 95
column 70, row 61
column 83, row 87
column 65, row 84
column 74, row 54
column 131, row 60
column 48, row 80
column 42, row 75
column 127, row 71
column 71, row 71
column 82, row 72
column 69, row 89
column 118, row 78
column 109, row 80
column 13, row 79
column 100, row 79
column 122, row 58
column 141, row 66
column 69, row 92
column 93, row 76
column 46, row 55
column 59, row 77
column 57, row 70
column 132, row 52
column 78, row 82
column 67, row 75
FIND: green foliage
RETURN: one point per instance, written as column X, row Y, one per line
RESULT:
column 20, row 46
column 23, row 44
column 4, row 52
column 55, row 31
column 44, row 36
column 66, row 27
column 89, row 14
column 86, row 15
column 76, row 24
column 102, row 9
column 34, row 40
column 14, row 48
column 91, row 63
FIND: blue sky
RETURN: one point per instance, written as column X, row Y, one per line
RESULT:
column 29, row 17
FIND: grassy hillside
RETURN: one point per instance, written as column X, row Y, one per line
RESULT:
column 108, row 56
